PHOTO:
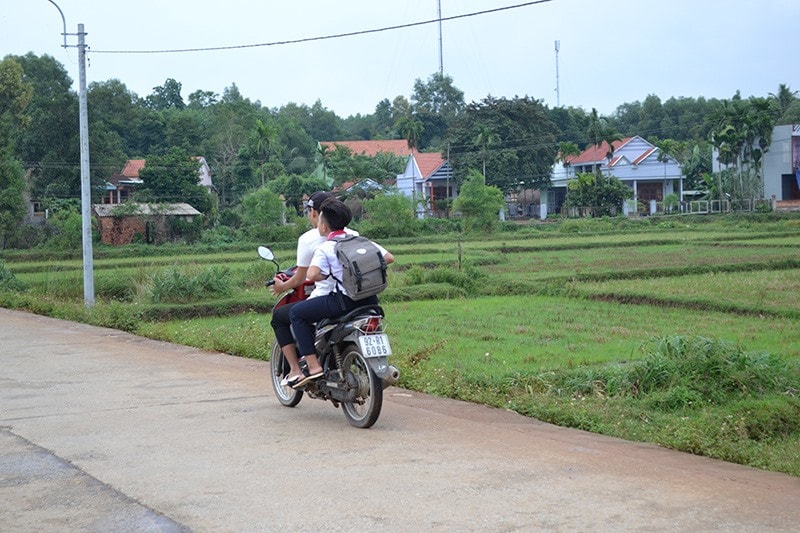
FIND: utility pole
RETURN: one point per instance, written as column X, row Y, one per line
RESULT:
column 558, row 92
column 86, row 185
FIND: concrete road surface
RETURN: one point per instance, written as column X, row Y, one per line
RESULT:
column 105, row 431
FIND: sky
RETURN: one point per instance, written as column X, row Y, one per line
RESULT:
column 610, row 52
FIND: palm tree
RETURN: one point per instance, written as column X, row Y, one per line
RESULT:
column 783, row 99
column 324, row 157
column 411, row 129
column 266, row 140
column 485, row 138
column 599, row 131
column 566, row 151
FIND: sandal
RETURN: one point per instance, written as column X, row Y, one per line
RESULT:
column 291, row 381
column 307, row 379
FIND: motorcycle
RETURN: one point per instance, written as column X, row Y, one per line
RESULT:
column 353, row 351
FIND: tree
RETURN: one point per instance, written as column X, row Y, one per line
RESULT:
column 438, row 96
column 383, row 118
column 344, row 166
column 782, row 101
column 696, row 165
column 478, row 203
column 411, row 129
column 600, row 132
column 667, row 150
column 15, row 95
column 262, row 209
column 49, row 145
column 566, row 151
column 524, row 158
column 173, row 178
column 389, row 214
column 741, row 133
column 12, row 201
column 293, row 188
column 436, row 104
column 266, row 142
column 185, row 129
column 202, row 99
column 601, row 195
column 652, row 114
column 484, row 139
column 167, row 96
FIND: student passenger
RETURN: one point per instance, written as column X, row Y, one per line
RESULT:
column 332, row 299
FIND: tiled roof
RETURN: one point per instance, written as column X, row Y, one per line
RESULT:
column 592, row 154
column 428, row 162
column 644, row 156
column 372, row 148
column 132, row 168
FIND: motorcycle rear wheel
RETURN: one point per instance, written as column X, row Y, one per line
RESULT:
column 365, row 410
column 279, row 369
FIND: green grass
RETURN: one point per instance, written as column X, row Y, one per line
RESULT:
column 773, row 291
column 683, row 331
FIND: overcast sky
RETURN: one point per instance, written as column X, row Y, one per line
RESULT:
column 610, row 52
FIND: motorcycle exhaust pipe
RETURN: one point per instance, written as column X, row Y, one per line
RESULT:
column 391, row 379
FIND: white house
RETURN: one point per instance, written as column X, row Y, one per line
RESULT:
column 634, row 161
column 782, row 164
column 427, row 176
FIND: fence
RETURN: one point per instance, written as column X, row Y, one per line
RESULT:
column 693, row 207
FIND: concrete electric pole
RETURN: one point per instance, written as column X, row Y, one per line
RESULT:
column 86, row 184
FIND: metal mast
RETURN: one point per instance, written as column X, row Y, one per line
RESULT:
column 558, row 92
column 441, row 61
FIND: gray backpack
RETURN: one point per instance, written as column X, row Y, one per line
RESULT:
column 364, row 272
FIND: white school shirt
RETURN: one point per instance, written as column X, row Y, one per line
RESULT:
column 306, row 244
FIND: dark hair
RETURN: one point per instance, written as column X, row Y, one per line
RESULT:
column 336, row 214
column 317, row 199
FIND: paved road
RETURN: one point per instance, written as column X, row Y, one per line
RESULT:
column 105, row 431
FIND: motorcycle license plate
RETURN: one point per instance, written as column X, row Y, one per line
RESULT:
column 375, row 345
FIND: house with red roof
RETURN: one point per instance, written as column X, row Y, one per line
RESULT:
column 633, row 160
column 427, row 177
column 119, row 187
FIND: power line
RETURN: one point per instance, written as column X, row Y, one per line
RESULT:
column 324, row 37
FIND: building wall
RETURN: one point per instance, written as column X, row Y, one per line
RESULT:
column 778, row 161
column 121, row 230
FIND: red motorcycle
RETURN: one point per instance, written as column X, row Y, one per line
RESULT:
column 353, row 351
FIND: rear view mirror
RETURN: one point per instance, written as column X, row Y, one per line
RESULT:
column 266, row 253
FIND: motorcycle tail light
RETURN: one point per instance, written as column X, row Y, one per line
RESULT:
column 370, row 325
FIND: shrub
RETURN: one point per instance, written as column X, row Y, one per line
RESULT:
column 388, row 215
column 9, row 282
column 479, row 203
column 174, row 285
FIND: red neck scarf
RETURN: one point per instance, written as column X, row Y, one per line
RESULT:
column 332, row 235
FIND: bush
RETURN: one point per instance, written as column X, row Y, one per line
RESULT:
column 176, row 286
column 388, row 215
column 66, row 231
column 9, row 282
column 479, row 203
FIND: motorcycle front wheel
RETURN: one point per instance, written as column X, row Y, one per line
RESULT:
column 279, row 369
column 363, row 412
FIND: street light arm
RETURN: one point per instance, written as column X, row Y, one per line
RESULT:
column 63, row 21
